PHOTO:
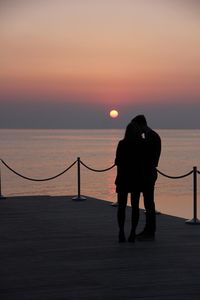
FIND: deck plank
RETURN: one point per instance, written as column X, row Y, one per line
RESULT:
column 56, row 248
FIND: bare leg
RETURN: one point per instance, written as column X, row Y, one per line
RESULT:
column 135, row 197
column 121, row 214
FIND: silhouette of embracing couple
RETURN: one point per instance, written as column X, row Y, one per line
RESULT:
column 137, row 157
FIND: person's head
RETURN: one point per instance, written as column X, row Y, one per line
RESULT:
column 132, row 132
column 140, row 120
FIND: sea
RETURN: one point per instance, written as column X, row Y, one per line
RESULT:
column 42, row 154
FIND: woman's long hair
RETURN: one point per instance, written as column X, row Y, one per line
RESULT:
column 132, row 132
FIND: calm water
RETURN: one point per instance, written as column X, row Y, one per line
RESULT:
column 45, row 153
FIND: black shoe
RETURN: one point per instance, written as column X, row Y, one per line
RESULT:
column 122, row 238
column 146, row 236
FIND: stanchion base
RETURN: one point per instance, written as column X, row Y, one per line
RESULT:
column 114, row 204
column 193, row 221
column 156, row 212
column 79, row 198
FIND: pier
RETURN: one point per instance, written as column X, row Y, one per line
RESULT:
column 56, row 248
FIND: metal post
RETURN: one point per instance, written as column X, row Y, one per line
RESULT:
column 195, row 220
column 79, row 197
column 1, row 196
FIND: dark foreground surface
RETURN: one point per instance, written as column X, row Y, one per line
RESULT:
column 56, row 248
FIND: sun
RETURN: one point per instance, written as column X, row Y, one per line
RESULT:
column 114, row 113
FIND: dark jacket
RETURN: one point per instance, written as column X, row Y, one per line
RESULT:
column 136, row 162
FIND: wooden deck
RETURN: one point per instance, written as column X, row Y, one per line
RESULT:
column 56, row 248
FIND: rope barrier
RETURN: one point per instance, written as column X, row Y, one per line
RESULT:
column 34, row 179
column 195, row 172
column 95, row 170
column 89, row 168
column 175, row 177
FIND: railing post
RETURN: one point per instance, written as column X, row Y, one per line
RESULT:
column 194, row 220
column 78, row 197
column 1, row 196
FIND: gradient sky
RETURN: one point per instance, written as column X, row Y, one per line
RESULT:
column 66, row 63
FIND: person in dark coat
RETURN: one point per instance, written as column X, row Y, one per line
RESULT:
column 137, row 157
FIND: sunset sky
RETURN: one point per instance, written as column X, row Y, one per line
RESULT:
column 63, row 60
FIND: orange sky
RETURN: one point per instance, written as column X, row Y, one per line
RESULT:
column 107, row 51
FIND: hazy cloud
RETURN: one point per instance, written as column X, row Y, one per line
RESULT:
column 79, row 115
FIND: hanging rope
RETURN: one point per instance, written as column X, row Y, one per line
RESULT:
column 175, row 177
column 95, row 170
column 34, row 179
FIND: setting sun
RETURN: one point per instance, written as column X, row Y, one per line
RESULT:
column 114, row 114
